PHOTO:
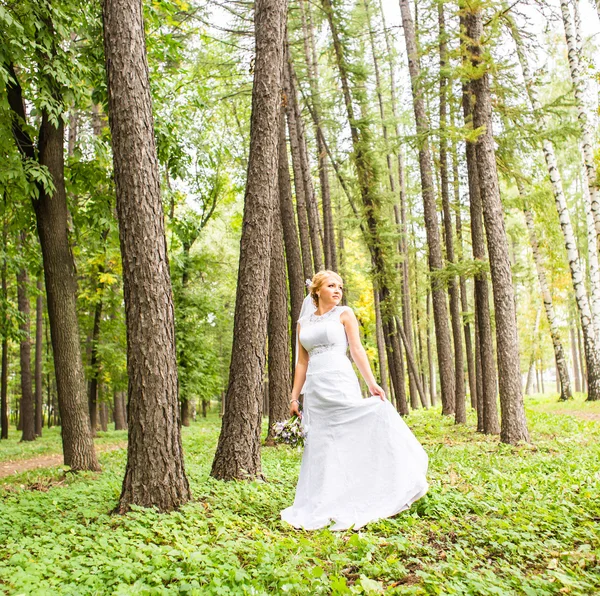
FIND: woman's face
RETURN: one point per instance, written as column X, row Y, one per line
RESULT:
column 331, row 291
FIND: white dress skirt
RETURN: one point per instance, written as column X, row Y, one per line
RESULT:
column 361, row 462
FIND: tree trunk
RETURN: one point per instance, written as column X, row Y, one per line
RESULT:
column 513, row 423
column 479, row 382
column 585, row 120
column 300, row 191
column 314, row 222
column 574, row 351
column 238, row 451
column 278, row 330
column 39, row 343
column 119, row 410
column 432, row 379
column 290, row 235
column 559, row 355
column 379, row 336
column 4, row 425
column 440, row 310
column 486, row 381
column 94, row 368
column 462, row 283
column 591, row 345
column 313, row 79
column 103, row 415
column 61, row 285
column 401, row 216
column 27, row 417
column 460, row 413
column 533, row 359
column 155, row 475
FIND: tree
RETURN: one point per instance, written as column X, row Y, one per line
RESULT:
column 50, row 206
column 559, row 354
column 238, row 450
column 278, row 330
column 590, row 341
column 440, row 310
column 155, row 475
column 513, row 423
column 460, row 414
column 27, row 414
column 290, row 234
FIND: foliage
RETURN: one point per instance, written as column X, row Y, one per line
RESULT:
column 497, row 520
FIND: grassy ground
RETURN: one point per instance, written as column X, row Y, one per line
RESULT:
column 497, row 520
column 49, row 444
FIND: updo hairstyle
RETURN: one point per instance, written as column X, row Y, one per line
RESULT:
column 317, row 282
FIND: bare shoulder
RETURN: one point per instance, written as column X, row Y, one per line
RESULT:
column 346, row 314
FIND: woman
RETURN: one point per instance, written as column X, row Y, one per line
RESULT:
column 361, row 462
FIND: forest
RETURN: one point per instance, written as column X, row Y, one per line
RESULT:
column 173, row 173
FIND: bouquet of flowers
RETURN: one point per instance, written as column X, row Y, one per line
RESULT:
column 289, row 432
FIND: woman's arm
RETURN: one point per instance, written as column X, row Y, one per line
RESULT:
column 348, row 319
column 299, row 375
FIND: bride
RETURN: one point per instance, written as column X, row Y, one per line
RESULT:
column 361, row 462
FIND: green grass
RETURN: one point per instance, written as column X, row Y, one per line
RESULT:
column 497, row 520
column 576, row 406
column 12, row 449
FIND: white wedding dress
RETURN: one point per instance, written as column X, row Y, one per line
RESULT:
column 361, row 462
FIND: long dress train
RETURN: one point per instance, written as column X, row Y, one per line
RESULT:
column 361, row 462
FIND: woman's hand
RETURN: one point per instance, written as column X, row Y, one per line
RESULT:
column 294, row 410
column 375, row 389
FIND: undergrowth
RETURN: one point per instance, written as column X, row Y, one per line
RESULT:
column 497, row 520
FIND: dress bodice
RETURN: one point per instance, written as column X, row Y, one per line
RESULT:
column 324, row 333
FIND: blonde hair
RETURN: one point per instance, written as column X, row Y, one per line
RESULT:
column 317, row 282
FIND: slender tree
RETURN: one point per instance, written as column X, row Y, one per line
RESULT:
column 513, row 423
column 39, row 344
column 584, row 119
column 487, row 410
column 440, row 310
column 591, row 347
column 51, row 213
column 290, row 234
column 278, row 330
column 312, row 65
column 27, row 412
column 460, row 414
column 238, row 451
column 559, row 354
column 299, row 190
column 4, row 370
column 155, row 475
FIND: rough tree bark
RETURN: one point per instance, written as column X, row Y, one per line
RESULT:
column 487, row 409
column 290, row 235
column 155, row 475
column 61, row 285
column 438, row 294
column 238, row 451
column 513, row 424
